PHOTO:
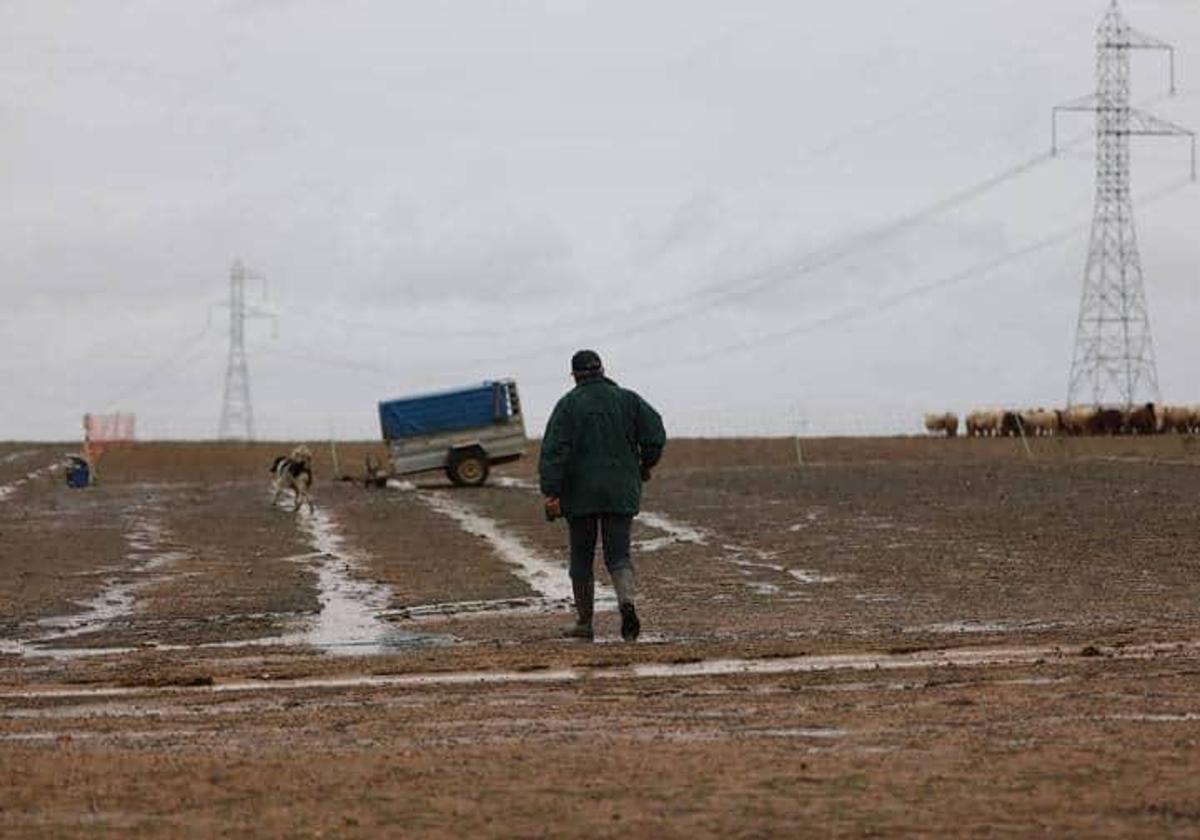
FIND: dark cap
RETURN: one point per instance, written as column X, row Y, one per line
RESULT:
column 586, row 362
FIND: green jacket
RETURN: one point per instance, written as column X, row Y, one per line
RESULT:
column 599, row 438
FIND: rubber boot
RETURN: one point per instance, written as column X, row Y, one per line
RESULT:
column 585, row 596
column 625, row 583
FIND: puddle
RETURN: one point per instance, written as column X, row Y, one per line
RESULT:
column 763, row 588
column 677, row 532
column 755, row 564
column 1148, row 717
column 798, row 733
column 1036, row 681
column 877, row 598
column 840, row 662
column 514, row 483
column 545, row 577
column 973, row 626
column 350, row 619
column 856, row 687
column 644, row 639
column 650, row 545
column 870, row 522
column 810, row 519
column 808, row 576
column 455, row 609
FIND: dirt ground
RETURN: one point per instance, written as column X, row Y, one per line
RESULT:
column 853, row 637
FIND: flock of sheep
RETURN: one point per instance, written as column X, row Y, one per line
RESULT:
column 1147, row 419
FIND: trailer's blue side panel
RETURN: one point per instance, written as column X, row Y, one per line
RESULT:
column 445, row 411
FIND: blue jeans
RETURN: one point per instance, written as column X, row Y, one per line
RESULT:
column 614, row 529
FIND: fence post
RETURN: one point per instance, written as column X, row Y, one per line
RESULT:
column 1024, row 442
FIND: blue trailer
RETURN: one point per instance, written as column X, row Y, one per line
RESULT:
column 463, row 431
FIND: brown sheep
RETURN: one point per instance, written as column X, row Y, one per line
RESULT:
column 1106, row 421
column 1141, row 420
column 1012, row 425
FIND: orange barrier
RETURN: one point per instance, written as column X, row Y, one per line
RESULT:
column 106, row 431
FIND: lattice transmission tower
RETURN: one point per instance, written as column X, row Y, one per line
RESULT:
column 1113, row 361
column 237, row 412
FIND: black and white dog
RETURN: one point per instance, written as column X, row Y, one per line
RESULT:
column 293, row 472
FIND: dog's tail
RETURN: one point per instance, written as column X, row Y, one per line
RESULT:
column 275, row 464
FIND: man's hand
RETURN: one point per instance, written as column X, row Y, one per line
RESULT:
column 645, row 473
column 553, row 507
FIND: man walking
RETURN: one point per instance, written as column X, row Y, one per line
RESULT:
column 600, row 444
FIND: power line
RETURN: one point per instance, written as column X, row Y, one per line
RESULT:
column 716, row 293
column 853, row 312
column 778, row 275
column 723, row 292
column 338, row 362
column 176, row 359
column 842, row 316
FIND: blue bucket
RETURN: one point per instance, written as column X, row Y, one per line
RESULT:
column 79, row 474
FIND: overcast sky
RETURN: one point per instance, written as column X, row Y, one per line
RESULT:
column 766, row 216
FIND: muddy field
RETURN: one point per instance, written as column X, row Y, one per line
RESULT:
column 892, row 637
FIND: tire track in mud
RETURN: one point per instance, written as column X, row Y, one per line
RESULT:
column 749, row 559
column 349, row 620
column 7, row 490
column 546, row 577
column 350, row 617
column 873, row 662
column 353, row 615
column 150, row 552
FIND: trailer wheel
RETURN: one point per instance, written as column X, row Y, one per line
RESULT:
column 467, row 467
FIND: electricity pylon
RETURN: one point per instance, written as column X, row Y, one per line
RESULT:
column 1113, row 361
column 237, row 412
